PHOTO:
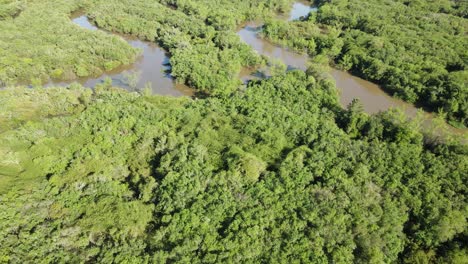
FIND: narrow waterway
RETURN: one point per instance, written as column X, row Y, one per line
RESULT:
column 350, row 87
column 152, row 68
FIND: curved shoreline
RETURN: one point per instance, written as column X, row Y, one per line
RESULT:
column 152, row 66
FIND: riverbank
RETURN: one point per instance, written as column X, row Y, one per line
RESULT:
column 373, row 98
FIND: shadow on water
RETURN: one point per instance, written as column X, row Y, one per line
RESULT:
column 152, row 68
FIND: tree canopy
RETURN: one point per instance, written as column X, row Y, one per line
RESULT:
column 273, row 171
column 415, row 49
column 277, row 173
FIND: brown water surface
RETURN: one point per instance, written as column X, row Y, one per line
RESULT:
column 153, row 67
column 373, row 98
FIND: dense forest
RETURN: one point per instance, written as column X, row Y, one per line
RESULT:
column 417, row 50
column 278, row 173
column 271, row 171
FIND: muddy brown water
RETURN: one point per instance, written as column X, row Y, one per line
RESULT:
column 151, row 67
column 373, row 98
column 350, row 87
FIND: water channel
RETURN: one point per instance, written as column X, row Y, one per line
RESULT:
column 373, row 98
column 153, row 67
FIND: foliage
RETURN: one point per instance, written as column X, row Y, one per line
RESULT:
column 42, row 43
column 11, row 8
column 205, row 52
column 415, row 49
column 275, row 173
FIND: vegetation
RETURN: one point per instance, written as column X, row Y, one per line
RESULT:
column 415, row 49
column 10, row 8
column 278, row 173
column 205, row 52
column 43, row 43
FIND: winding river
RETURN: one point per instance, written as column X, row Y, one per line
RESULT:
column 372, row 97
column 153, row 67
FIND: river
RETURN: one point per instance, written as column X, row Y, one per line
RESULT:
column 152, row 67
column 350, row 87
